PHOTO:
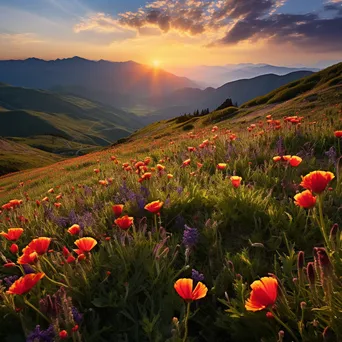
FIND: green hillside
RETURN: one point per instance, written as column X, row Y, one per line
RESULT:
column 29, row 112
column 321, row 80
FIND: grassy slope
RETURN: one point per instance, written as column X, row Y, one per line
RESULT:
column 16, row 157
column 125, row 289
column 33, row 112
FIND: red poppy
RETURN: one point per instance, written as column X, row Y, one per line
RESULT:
column 124, row 222
column 221, row 166
column 154, row 207
column 305, row 199
column 169, row 176
column 117, row 209
column 13, row 234
column 24, row 284
column 51, row 191
column 14, row 248
column 317, row 181
column 86, row 244
column 264, row 294
column 184, row 288
column 74, row 229
column 186, row 162
column 29, row 256
column 338, row 134
column 40, row 245
column 63, row 334
column 236, row 181
column 294, row 161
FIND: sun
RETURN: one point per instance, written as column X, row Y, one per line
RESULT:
column 156, row 63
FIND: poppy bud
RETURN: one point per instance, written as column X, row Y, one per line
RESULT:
column 269, row 315
column 329, row 335
column 300, row 260
column 14, row 248
column 303, row 305
column 310, row 272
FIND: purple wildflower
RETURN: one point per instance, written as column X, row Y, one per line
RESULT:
column 88, row 191
column 76, row 315
column 179, row 190
column 10, row 280
column 190, row 236
column 280, row 146
column 38, row 335
column 331, row 154
column 196, row 276
column 28, row 269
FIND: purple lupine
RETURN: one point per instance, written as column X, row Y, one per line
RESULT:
column 10, row 280
column 179, row 190
column 28, row 269
column 76, row 315
column 280, row 146
column 141, row 203
column 144, row 191
column 196, row 276
column 88, row 191
column 190, row 236
column 38, row 335
column 331, row 154
column 61, row 221
column 48, row 213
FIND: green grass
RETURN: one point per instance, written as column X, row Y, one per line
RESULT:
column 125, row 286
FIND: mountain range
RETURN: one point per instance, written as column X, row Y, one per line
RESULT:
column 121, row 84
column 215, row 76
column 189, row 99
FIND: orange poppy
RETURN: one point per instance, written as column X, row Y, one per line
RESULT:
column 24, row 284
column 86, row 244
column 186, row 162
column 40, row 245
column 13, row 234
column 117, row 209
column 286, row 158
column 305, row 199
column 184, row 288
column 29, row 256
column 169, row 176
column 317, row 181
column 264, row 294
column 236, row 181
column 221, row 166
column 154, row 207
column 276, row 158
column 338, row 134
column 74, row 229
column 294, row 161
column 124, row 222
column 160, row 167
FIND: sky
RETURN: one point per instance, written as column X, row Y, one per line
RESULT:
column 174, row 33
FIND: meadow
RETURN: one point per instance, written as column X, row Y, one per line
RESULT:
column 224, row 231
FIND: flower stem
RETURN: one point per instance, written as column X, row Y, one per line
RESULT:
column 36, row 310
column 187, row 314
column 320, row 209
column 284, row 325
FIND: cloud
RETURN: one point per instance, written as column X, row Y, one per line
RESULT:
column 19, row 38
column 228, row 22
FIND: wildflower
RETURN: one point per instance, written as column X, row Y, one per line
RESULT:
column 124, row 222
column 338, row 134
column 196, row 276
column 13, row 234
column 117, row 209
column 86, row 244
column 269, row 315
column 294, row 161
column 184, row 288
column 264, row 294
column 276, row 158
column 305, row 199
column 190, row 236
column 317, row 181
column 63, row 334
column 29, row 256
column 76, row 315
column 74, row 229
column 236, row 181
column 169, row 176
column 221, row 166
column 14, row 248
column 186, row 162
column 25, row 283
column 51, row 191
column 75, row 328
column 40, row 245
column 47, row 335
column 154, row 207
